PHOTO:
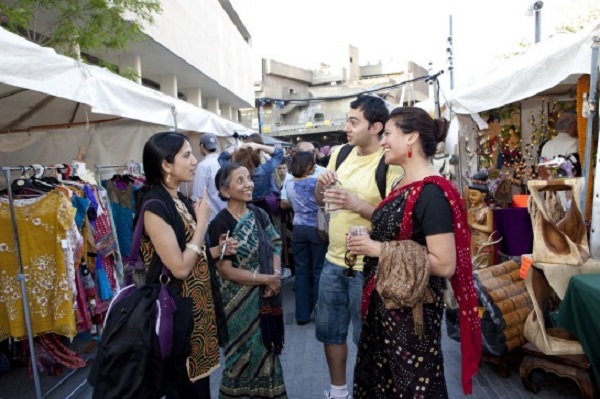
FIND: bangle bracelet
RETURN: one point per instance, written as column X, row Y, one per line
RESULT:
column 194, row 248
column 277, row 272
column 254, row 275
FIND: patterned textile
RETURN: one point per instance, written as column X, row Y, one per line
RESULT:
column 121, row 204
column 204, row 356
column 82, row 309
column 394, row 217
column 250, row 370
column 73, row 252
column 392, row 361
column 42, row 224
column 403, row 278
column 301, row 194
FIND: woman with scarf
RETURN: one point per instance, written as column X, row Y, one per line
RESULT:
column 174, row 233
column 250, row 291
column 420, row 236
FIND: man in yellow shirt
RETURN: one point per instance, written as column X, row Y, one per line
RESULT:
column 356, row 199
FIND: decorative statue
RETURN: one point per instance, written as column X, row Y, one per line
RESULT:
column 480, row 220
column 445, row 163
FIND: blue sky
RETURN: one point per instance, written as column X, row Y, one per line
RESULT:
column 307, row 32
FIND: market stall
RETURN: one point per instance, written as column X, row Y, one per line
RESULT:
column 79, row 131
column 525, row 93
column 504, row 120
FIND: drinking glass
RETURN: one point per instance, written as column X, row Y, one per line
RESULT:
column 335, row 185
column 350, row 259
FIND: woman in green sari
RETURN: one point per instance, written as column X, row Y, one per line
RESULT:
column 250, row 290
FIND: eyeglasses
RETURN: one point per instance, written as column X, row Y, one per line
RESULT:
column 350, row 260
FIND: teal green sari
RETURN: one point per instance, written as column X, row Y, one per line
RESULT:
column 251, row 370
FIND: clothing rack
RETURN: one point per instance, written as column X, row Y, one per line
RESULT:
column 21, row 279
column 130, row 167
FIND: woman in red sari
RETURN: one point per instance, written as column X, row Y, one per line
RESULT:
column 420, row 236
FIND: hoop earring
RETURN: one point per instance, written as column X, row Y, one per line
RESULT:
column 410, row 152
column 168, row 179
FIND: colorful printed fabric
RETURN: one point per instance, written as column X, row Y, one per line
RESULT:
column 42, row 225
column 462, row 282
column 204, row 357
column 251, row 371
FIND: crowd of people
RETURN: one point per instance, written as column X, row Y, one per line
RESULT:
column 386, row 283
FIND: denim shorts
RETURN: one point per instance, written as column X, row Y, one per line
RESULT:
column 339, row 303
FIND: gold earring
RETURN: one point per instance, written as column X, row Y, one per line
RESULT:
column 168, row 179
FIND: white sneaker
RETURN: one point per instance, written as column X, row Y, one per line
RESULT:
column 327, row 395
column 287, row 273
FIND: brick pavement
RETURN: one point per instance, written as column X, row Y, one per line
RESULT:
column 306, row 375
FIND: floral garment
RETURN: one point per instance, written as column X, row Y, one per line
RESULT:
column 42, row 225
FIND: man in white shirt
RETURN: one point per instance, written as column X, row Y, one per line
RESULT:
column 565, row 142
column 206, row 171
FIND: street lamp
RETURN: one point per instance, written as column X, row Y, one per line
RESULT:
column 535, row 8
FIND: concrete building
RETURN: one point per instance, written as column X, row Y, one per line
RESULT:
column 288, row 96
column 197, row 50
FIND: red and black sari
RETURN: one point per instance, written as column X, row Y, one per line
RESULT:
column 392, row 360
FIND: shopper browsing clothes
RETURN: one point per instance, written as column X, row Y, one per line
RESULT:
column 175, row 231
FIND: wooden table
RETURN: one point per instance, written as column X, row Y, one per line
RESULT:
column 575, row 367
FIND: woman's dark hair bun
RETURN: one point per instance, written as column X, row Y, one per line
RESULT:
column 441, row 129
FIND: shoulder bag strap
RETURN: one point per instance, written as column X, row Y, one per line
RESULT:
column 136, row 239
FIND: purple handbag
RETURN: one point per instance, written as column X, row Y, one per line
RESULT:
column 273, row 200
column 135, row 277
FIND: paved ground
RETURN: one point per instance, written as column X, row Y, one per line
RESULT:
column 306, row 374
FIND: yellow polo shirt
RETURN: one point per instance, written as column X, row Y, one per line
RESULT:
column 357, row 174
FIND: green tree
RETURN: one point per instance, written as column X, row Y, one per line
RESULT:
column 580, row 22
column 74, row 26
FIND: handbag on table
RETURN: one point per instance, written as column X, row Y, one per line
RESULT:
column 564, row 242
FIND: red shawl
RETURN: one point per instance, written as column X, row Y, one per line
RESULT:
column 462, row 281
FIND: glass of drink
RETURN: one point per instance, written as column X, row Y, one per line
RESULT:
column 335, row 185
column 350, row 259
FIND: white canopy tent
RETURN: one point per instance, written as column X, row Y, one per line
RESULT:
column 554, row 63
column 39, row 87
column 550, row 68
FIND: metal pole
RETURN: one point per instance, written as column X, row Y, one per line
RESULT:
column 538, row 23
column 21, row 278
column 451, row 55
column 590, row 124
column 260, row 105
column 436, row 96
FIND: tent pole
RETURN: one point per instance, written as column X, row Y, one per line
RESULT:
column 590, row 124
column 21, row 278
column 595, row 223
column 260, row 105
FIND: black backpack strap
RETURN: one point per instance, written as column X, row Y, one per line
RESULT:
column 381, row 176
column 343, row 153
column 380, row 172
